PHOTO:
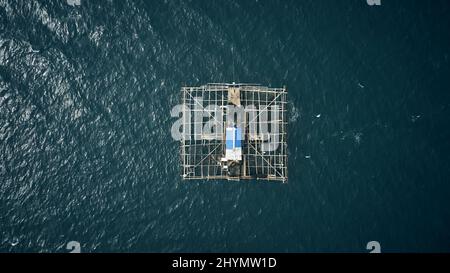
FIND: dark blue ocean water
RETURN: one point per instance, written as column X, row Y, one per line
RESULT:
column 85, row 147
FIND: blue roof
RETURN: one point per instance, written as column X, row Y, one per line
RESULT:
column 238, row 137
column 234, row 135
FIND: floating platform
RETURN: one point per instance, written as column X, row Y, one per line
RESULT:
column 233, row 132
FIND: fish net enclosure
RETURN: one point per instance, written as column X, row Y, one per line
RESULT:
column 233, row 132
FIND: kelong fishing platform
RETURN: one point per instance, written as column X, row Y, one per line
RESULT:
column 234, row 131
